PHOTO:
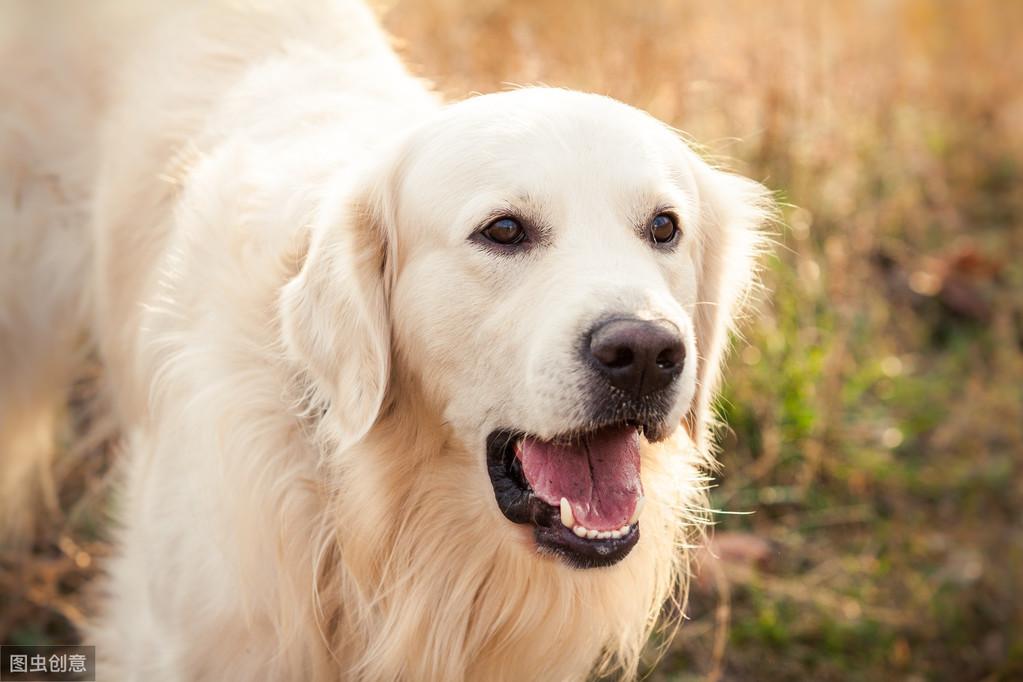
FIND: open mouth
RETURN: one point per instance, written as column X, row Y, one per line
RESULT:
column 581, row 492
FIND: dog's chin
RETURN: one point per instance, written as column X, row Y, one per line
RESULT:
column 579, row 492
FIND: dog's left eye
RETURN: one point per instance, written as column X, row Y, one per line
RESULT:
column 663, row 228
column 505, row 231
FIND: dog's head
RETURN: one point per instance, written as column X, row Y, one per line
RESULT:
column 557, row 272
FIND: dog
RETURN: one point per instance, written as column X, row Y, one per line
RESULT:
column 408, row 389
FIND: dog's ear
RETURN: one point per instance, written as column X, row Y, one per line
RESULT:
column 733, row 210
column 334, row 312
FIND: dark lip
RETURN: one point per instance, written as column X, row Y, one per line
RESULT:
column 519, row 505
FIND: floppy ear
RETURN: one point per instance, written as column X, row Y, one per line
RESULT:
column 732, row 210
column 334, row 313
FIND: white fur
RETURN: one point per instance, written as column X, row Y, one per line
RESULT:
column 307, row 352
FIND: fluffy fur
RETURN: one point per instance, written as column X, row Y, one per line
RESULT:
column 306, row 352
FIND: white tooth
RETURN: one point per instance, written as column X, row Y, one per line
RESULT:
column 639, row 510
column 603, row 535
column 616, row 534
column 567, row 517
column 623, row 530
column 591, row 534
column 580, row 531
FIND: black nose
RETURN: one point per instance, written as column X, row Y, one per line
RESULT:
column 638, row 356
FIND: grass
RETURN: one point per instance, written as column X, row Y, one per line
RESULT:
column 874, row 407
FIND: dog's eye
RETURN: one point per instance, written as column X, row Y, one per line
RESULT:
column 663, row 228
column 504, row 231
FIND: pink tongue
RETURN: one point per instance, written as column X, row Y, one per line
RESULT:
column 599, row 475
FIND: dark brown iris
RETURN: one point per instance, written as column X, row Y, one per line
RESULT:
column 663, row 228
column 504, row 231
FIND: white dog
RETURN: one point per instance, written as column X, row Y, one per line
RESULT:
column 410, row 390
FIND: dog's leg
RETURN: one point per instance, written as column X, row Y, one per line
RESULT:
column 42, row 275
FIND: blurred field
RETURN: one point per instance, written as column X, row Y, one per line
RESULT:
column 872, row 466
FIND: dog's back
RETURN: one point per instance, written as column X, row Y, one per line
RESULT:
column 107, row 109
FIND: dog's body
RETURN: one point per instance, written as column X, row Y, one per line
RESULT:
column 308, row 344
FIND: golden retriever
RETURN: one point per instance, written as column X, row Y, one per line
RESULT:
column 409, row 389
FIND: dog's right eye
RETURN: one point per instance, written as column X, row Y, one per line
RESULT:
column 504, row 231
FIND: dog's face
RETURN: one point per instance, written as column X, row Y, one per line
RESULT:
column 546, row 256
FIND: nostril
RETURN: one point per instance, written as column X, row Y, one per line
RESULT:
column 613, row 355
column 623, row 357
column 671, row 357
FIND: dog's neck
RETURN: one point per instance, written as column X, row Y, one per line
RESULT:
column 438, row 585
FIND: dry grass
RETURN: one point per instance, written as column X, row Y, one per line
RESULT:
column 875, row 409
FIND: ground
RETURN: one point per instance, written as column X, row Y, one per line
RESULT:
column 870, row 494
